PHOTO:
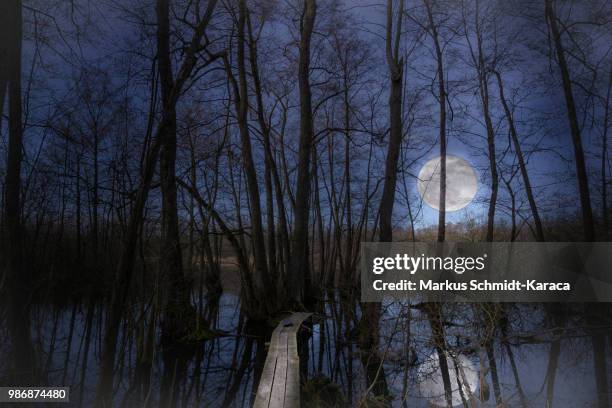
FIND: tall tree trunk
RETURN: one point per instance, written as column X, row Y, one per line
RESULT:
column 494, row 375
column 434, row 310
column 321, row 276
column 262, row 283
column 481, row 64
column 23, row 370
column 177, row 312
column 396, row 67
column 348, row 255
column 369, row 324
column 492, row 161
column 581, row 171
column 482, row 71
column 523, row 167
column 604, row 158
column 594, row 311
column 299, row 269
column 598, row 340
column 96, row 194
column 125, row 265
column 78, row 210
column 270, row 171
column 442, row 136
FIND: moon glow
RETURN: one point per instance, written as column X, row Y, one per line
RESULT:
column 463, row 377
column 461, row 183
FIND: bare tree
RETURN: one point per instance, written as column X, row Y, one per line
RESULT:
column 483, row 64
column 570, row 104
column 521, row 160
column 16, row 272
column 272, row 181
column 434, row 311
column 595, row 312
column 177, row 311
column 369, row 338
column 299, row 269
column 395, row 64
column 604, row 157
column 432, row 29
column 262, row 284
column 126, row 260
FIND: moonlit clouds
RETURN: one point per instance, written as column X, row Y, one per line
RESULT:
column 461, row 183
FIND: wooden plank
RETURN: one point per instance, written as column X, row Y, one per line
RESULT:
column 277, row 397
column 279, row 386
column 262, row 399
column 292, row 387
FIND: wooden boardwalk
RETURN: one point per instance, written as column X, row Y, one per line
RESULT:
column 279, row 386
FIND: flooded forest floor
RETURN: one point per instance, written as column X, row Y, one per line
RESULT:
column 523, row 355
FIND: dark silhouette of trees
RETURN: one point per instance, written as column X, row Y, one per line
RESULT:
column 23, row 367
column 395, row 65
column 126, row 259
column 581, row 171
column 539, row 230
column 299, row 267
column 261, row 281
column 177, row 176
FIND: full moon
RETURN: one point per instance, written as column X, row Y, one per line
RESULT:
column 461, row 183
